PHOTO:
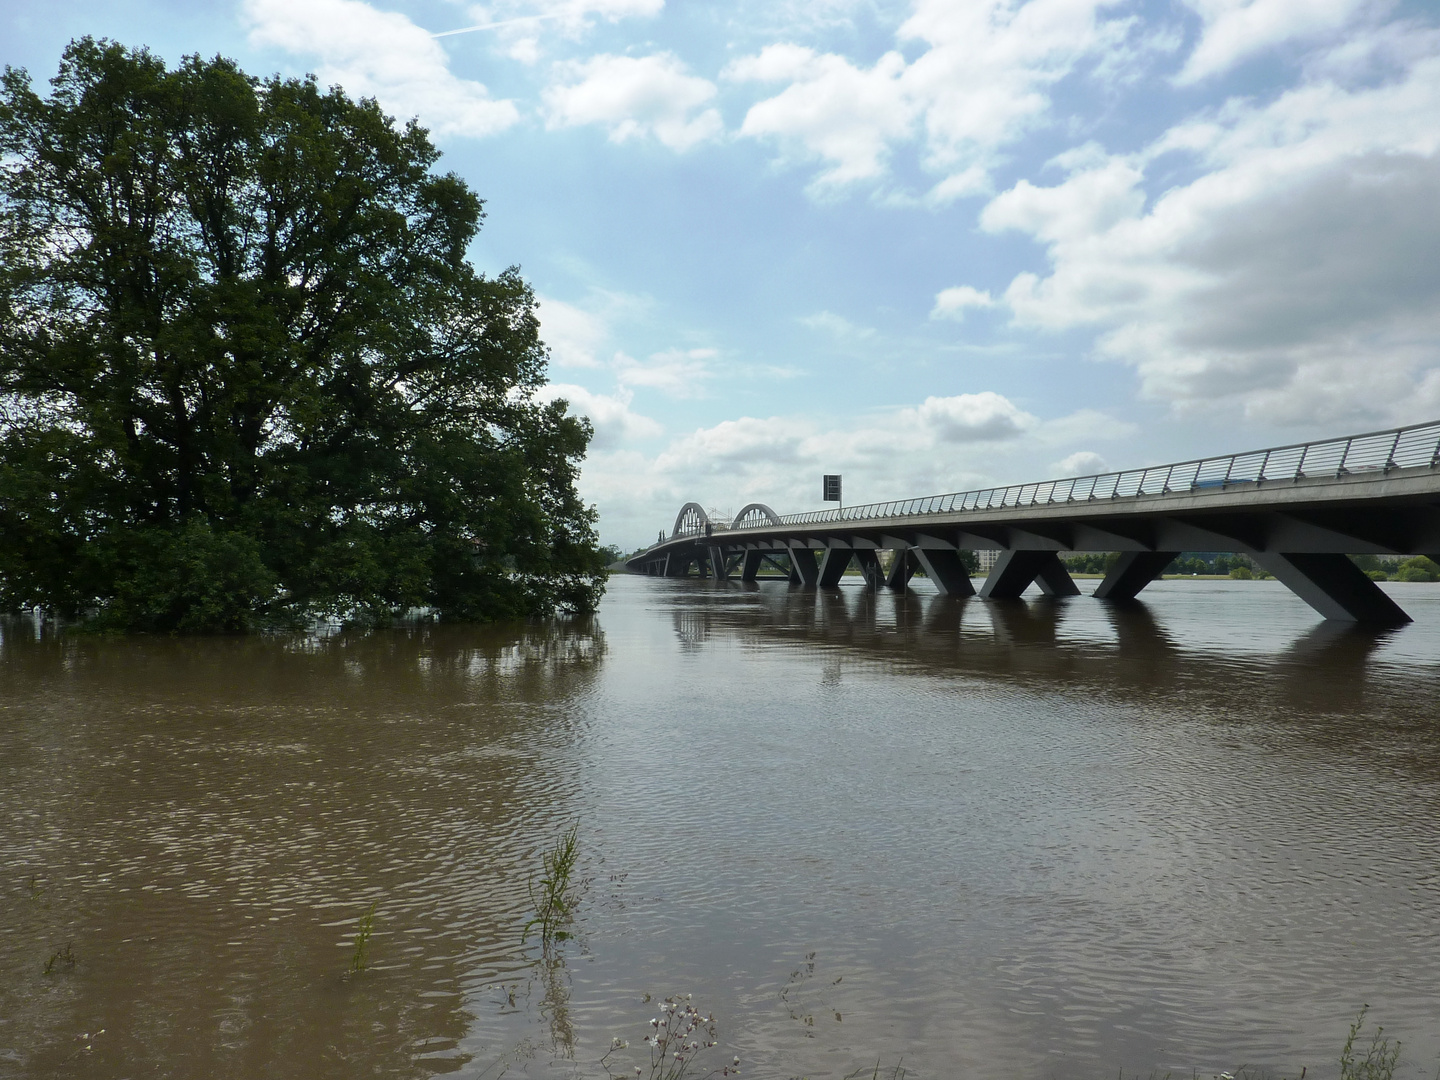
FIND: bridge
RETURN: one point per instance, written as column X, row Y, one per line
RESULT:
column 1296, row 511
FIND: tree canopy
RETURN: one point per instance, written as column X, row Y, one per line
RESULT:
column 247, row 372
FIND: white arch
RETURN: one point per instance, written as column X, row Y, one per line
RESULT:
column 691, row 520
column 755, row 512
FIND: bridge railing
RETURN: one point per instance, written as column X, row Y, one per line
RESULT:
column 1376, row 451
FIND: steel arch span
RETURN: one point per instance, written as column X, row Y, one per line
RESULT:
column 755, row 514
column 691, row 520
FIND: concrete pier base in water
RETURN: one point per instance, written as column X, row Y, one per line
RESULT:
column 1015, row 571
column 944, row 568
column 1132, row 572
column 804, row 568
column 1334, row 586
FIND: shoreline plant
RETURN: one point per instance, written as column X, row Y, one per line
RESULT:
column 678, row 1038
column 1381, row 1056
column 554, row 895
column 360, row 958
column 64, row 956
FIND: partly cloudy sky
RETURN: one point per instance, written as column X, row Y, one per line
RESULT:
column 929, row 245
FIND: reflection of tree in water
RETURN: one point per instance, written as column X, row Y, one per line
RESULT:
column 226, row 809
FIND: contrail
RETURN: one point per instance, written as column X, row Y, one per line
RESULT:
column 493, row 25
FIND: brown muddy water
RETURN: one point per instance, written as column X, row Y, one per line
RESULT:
column 1039, row 839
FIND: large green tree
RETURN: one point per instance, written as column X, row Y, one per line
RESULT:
column 247, row 372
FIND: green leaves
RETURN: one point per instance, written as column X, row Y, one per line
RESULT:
column 234, row 310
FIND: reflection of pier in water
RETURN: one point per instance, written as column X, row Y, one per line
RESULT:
column 1131, row 651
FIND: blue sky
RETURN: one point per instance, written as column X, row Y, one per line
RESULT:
column 928, row 245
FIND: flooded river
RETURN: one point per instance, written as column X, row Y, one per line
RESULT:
column 1039, row 839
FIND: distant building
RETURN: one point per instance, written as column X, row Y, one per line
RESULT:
column 988, row 557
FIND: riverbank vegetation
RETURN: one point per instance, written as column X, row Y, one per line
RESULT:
column 248, row 375
column 556, row 893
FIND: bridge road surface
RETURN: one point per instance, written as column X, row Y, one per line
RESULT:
column 1297, row 511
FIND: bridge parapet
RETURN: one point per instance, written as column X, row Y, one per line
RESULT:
column 1373, row 452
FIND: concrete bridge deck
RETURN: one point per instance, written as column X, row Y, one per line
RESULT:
column 1297, row 511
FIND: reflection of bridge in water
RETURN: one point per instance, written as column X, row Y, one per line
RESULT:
column 1296, row 511
column 1133, row 650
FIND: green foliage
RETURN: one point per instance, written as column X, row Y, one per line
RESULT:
column 187, row 580
column 1371, row 563
column 1241, row 573
column 1091, row 562
column 1380, row 1058
column 554, row 895
column 1420, row 568
column 60, row 958
column 1192, row 563
column 360, row 957
column 246, row 371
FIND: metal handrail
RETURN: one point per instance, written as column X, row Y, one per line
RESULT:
column 1417, row 446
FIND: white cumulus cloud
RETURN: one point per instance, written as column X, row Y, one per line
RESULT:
column 1236, row 30
column 952, row 303
column 1295, row 276
column 1081, row 463
column 611, row 415
column 978, row 417
column 572, row 333
column 846, row 115
column 679, row 373
column 981, row 80
column 380, row 54
column 634, row 97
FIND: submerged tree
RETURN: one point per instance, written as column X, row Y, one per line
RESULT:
column 246, row 371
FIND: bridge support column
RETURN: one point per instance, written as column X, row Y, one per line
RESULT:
column 1055, row 580
column 751, row 567
column 803, row 566
column 1015, row 570
column 718, row 566
column 902, row 569
column 832, row 566
column 945, row 569
column 1133, row 571
column 869, row 564
column 1334, row 586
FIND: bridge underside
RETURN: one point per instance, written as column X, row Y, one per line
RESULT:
column 1305, row 546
